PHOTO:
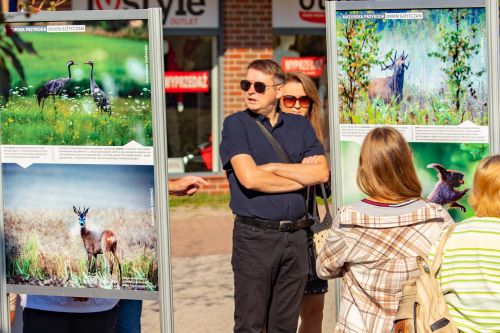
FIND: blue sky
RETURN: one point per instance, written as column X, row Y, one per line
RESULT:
column 59, row 186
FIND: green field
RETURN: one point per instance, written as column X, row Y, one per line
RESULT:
column 120, row 71
column 119, row 59
column 76, row 122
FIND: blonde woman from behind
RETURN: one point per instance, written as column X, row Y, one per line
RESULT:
column 373, row 243
column 470, row 271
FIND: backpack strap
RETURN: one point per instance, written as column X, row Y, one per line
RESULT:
column 438, row 257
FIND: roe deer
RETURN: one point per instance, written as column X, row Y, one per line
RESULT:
column 95, row 243
column 390, row 87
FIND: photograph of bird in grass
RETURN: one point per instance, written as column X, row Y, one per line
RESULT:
column 54, row 87
column 88, row 88
column 445, row 190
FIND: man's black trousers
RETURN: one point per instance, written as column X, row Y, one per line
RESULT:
column 270, row 273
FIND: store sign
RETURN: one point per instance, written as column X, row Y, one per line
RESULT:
column 176, row 13
column 311, row 66
column 299, row 14
column 187, row 82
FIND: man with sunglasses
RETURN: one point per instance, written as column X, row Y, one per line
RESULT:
column 269, row 260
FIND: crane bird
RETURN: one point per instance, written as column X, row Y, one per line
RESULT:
column 101, row 100
column 54, row 87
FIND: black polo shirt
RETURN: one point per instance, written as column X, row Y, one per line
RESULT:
column 241, row 135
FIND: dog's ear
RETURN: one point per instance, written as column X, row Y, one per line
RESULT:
column 441, row 169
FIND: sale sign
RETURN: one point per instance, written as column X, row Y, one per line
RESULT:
column 187, row 82
column 310, row 66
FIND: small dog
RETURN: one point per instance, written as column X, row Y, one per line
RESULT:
column 444, row 192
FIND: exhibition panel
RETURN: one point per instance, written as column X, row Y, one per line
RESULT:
column 422, row 69
column 84, row 184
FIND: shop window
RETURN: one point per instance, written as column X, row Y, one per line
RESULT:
column 191, row 102
column 306, row 54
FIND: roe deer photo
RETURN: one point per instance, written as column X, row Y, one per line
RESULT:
column 95, row 243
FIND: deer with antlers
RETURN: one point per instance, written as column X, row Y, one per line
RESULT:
column 391, row 87
column 95, row 243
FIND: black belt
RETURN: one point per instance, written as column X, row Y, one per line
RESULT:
column 284, row 226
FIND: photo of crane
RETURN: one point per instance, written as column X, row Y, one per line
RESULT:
column 74, row 84
column 412, row 67
column 80, row 226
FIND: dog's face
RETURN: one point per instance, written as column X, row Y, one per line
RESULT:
column 453, row 178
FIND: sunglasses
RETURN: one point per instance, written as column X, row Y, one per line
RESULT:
column 260, row 87
column 289, row 101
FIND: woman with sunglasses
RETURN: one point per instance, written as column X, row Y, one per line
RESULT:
column 300, row 97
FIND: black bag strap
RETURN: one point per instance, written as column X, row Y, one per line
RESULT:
column 276, row 146
column 311, row 191
column 325, row 198
column 284, row 157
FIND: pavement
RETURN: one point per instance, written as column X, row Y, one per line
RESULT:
column 202, row 275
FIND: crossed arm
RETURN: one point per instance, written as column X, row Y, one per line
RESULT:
column 313, row 170
column 279, row 177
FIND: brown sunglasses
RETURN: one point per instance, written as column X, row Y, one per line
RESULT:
column 289, row 101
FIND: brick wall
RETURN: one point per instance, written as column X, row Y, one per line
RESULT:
column 247, row 35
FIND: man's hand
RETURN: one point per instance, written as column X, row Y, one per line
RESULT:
column 187, row 185
column 311, row 159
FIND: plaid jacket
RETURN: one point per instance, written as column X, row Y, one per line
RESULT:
column 374, row 255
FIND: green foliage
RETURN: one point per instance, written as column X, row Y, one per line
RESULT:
column 116, row 60
column 10, row 47
column 418, row 108
column 427, row 96
column 26, row 264
column 457, row 43
column 75, row 121
column 35, row 267
column 357, row 51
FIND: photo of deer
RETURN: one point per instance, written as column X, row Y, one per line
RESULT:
column 412, row 67
column 82, row 226
column 87, row 87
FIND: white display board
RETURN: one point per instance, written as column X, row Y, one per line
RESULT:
column 446, row 121
column 84, row 165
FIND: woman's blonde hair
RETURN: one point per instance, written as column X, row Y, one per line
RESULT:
column 310, row 89
column 485, row 193
column 386, row 168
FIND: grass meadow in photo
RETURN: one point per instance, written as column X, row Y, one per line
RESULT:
column 43, row 232
column 413, row 67
column 116, row 110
